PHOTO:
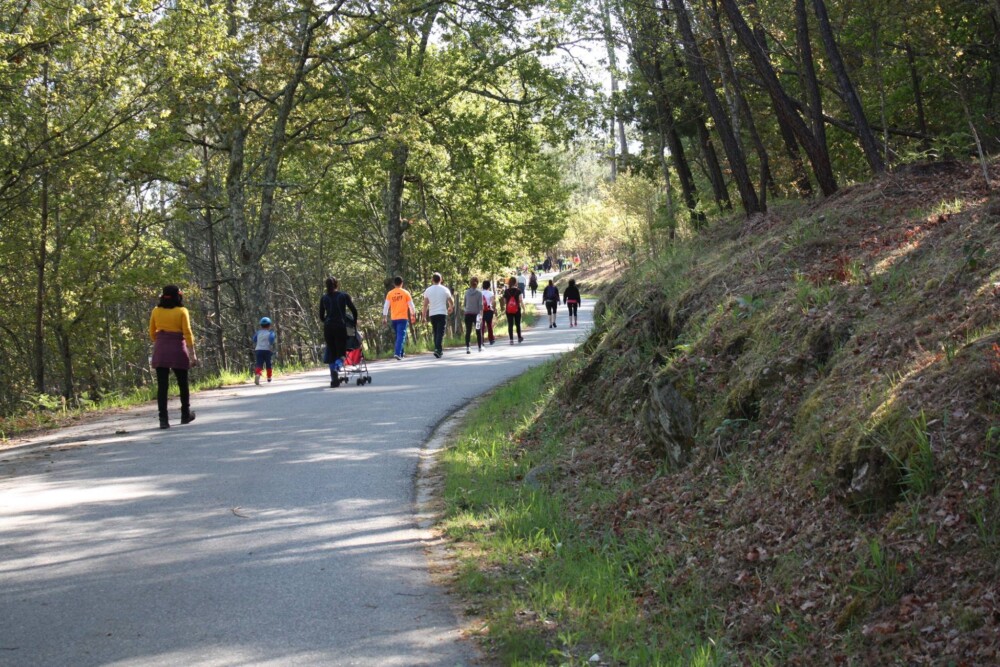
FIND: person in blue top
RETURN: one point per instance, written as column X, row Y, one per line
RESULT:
column 263, row 349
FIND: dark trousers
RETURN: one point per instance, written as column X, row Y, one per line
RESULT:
column 551, row 306
column 163, row 383
column 572, row 305
column 488, row 323
column 512, row 321
column 437, row 323
column 470, row 324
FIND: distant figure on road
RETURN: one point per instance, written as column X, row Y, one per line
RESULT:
column 398, row 308
column 333, row 307
column 473, row 311
column 438, row 305
column 571, row 297
column 533, row 284
column 513, row 305
column 489, row 309
column 551, row 298
column 173, row 349
column 547, row 264
column 522, row 283
column 263, row 349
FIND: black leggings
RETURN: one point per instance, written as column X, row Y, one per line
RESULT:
column 512, row 321
column 551, row 306
column 470, row 324
column 572, row 308
column 335, row 334
column 163, row 383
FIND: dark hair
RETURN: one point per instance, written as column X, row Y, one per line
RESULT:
column 572, row 282
column 486, row 284
column 331, row 285
column 436, row 278
column 397, row 281
column 551, row 282
column 512, row 282
column 171, row 297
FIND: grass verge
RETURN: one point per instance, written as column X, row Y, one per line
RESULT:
column 548, row 589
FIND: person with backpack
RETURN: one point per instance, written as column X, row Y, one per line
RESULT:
column 513, row 299
column 438, row 305
column 571, row 297
column 551, row 298
column 533, row 284
column 333, row 312
column 473, row 311
column 489, row 310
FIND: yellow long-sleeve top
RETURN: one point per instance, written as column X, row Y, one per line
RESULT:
column 172, row 319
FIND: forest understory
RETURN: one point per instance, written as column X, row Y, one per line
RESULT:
column 798, row 416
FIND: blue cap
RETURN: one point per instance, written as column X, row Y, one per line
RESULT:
column 265, row 320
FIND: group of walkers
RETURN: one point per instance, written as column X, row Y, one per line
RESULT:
column 173, row 340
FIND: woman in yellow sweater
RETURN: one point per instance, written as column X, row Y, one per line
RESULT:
column 173, row 348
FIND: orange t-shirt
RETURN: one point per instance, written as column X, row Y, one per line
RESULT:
column 399, row 305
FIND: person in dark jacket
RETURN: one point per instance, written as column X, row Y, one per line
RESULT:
column 551, row 298
column 513, row 303
column 173, row 349
column 533, row 284
column 333, row 312
column 571, row 297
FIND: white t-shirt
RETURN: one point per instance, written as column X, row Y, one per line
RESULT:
column 437, row 299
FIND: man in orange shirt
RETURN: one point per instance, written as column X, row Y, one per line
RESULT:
column 399, row 309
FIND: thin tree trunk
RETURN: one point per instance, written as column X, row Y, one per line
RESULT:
column 734, row 153
column 41, row 259
column 713, row 168
column 616, row 121
column 851, row 99
column 811, row 83
column 789, row 137
column 732, row 81
column 918, row 98
column 818, row 154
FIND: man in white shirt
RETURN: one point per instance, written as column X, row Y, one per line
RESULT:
column 438, row 305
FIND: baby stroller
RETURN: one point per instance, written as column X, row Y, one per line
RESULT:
column 354, row 362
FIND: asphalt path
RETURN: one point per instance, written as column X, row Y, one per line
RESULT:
column 277, row 529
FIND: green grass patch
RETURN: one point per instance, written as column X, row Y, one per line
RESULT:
column 551, row 592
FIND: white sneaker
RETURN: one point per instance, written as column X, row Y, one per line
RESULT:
column 256, row 379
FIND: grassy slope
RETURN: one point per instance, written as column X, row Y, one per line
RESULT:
column 838, row 497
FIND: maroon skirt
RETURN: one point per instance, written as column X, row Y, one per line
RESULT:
column 170, row 350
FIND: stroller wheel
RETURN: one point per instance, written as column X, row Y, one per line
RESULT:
column 360, row 381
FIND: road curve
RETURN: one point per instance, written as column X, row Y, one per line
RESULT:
column 277, row 529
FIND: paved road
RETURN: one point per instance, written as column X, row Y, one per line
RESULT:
column 277, row 529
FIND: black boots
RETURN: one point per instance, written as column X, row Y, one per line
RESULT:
column 164, row 421
column 187, row 416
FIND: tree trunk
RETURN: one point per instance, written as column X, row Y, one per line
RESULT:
column 715, row 175
column 609, row 41
column 810, row 81
column 865, row 136
column 734, row 153
column 732, row 81
column 918, row 98
column 392, row 198
column 818, row 154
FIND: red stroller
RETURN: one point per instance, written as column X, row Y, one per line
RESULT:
column 354, row 362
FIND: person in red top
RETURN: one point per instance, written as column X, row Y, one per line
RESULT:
column 399, row 309
column 489, row 309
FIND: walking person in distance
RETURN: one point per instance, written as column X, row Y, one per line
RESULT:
column 551, row 298
column 571, row 297
column 473, row 311
column 513, row 300
column 173, row 350
column 533, row 284
column 489, row 310
column 333, row 312
column 398, row 308
column 263, row 349
column 438, row 305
